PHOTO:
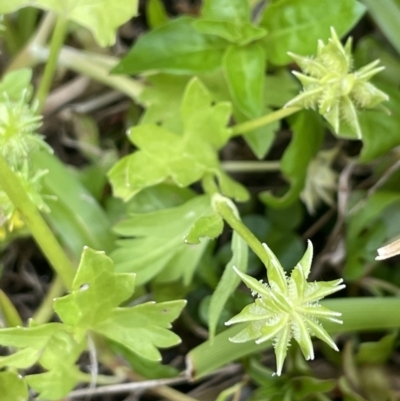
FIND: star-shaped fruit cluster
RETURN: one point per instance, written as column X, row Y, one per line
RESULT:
column 332, row 87
column 286, row 308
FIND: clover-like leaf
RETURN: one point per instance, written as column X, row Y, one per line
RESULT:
column 334, row 89
column 99, row 16
column 183, row 157
column 286, row 308
column 96, row 291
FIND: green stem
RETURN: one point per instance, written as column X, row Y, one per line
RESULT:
column 33, row 219
column 25, row 58
column 251, row 125
column 10, row 36
column 98, row 67
column 46, row 310
column 57, row 41
column 27, row 18
column 227, row 210
column 358, row 314
column 209, row 185
column 250, row 166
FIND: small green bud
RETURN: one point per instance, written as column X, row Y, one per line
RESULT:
column 321, row 181
column 286, row 308
column 18, row 125
column 332, row 87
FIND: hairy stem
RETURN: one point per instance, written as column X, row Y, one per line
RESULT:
column 36, row 224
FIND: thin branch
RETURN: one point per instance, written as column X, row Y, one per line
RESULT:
column 125, row 387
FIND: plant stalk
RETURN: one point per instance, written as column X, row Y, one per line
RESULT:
column 57, row 41
column 226, row 209
column 250, row 166
column 358, row 314
column 46, row 309
column 251, row 125
column 35, row 222
column 93, row 66
column 25, row 59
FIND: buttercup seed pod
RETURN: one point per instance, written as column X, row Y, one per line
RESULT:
column 332, row 87
column 286, row 308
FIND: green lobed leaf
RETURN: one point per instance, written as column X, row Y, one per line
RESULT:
column 55, row 348
column 144, row 327
column 174, row 47
column 35, row 337
column 307, row 137
column 100, row 16
column 54, row 384
column 183, row 158
column 206, row 226
column 23, row 359
column 59, row 358
column 159, row 249
column 13, row 387
column 203, row 118
column 296, row 26
column 163, row 89
column 228, row 282
column 160, row 197
column 244, row 69
column 96, row 291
